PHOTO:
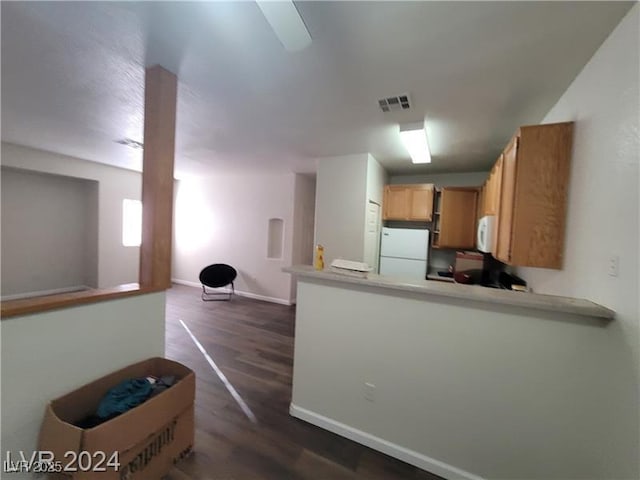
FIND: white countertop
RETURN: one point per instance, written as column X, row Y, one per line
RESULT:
column 551, row 303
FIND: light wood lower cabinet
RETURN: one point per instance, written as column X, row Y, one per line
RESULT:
column 455, row 225
column 533, row 196
column 408, row 202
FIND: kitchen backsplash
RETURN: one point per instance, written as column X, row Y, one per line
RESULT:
column 440, row 259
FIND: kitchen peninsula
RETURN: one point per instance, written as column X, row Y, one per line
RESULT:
column 534, row 301
column 421, row 370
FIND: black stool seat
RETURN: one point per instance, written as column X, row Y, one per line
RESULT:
column 216, row 276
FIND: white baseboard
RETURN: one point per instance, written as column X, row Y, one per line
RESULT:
column 43, row 293
column 186, row 282
column 241, row 293
column 393, row 450
column 255, row 296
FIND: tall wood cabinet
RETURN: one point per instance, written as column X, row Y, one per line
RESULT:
column 533, row 196
column 408, row 202
column 455, row 217
column 492, row 189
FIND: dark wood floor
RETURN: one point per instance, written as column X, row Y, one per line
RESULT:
column 252, row 344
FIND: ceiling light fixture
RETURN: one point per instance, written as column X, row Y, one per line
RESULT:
column 287, row 23
column 414, row 137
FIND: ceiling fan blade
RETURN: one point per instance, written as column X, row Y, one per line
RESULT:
column 287, row 23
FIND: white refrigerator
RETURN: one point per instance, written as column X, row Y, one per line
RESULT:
column 404, row 252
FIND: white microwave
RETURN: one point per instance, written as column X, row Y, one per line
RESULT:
column 485, row 233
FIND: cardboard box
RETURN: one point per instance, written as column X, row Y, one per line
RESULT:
column 148, row 439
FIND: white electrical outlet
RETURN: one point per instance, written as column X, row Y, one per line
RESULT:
column 369, row 391
column 614, row 265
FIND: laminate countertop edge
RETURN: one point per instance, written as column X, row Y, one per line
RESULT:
column 552, row 303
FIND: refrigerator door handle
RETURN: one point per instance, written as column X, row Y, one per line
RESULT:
column 402, row 258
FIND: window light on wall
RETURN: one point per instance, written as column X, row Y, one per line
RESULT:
column 131, row 222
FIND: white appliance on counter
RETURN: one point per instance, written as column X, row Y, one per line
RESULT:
column 486, row 229
column 404, row 252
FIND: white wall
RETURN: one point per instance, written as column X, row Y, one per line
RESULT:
column 466, row 388
column 344, row 186
column 376, row 180
column 47, row 232
column 116, row 264
column 465, row 179
column 224, row 219
column 341, row 189
column 41, row 353
column 602, row 216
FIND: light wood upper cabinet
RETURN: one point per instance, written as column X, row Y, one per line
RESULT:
column 481, row 201
column 533, row 196
column 491, row 200
column 408, row 202
column 505, row 222
column 421, row 204
column 458, row 214
column 396, row 202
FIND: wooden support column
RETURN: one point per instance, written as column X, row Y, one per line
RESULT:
column 160, row 95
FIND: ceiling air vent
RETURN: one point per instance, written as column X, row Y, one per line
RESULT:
column 394, row 104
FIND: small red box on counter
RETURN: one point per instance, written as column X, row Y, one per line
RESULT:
column 468, row 261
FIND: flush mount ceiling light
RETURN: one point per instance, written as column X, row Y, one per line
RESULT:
column 414, row 137
column 287, row 23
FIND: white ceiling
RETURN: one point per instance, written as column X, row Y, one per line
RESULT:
column 73, row 77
